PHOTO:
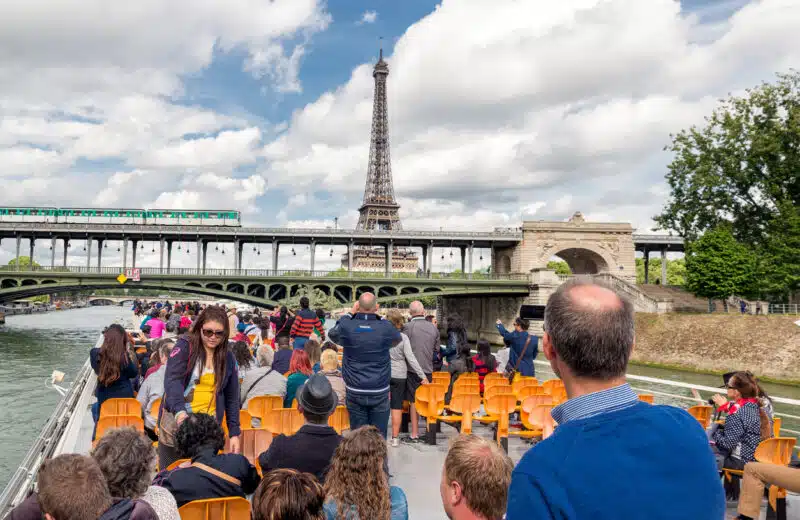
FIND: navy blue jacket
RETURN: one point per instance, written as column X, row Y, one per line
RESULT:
column 120, row 388
column 177, row 377
column 366, row 340
column 280, row 363
column 516, row 342
column 187, row 484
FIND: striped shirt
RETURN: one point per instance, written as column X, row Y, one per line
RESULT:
column 596, row 403
column 305, row 323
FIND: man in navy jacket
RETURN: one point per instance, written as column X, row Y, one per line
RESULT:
column 366, row 340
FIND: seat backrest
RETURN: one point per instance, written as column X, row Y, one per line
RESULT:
column 470, row 375
column 121, row 406
column 339, row 420
column 501, row 404
column 495, row 375
column 430, row 399
column 777, row 450
column 524, row 382
column 228, row 508
column 527, row 391
column 552, row 383
column 245, row 420
column 559, row 395
column 497, row 389
column 284, row 421
column 534, row 400
column 465, row 403
column 441, row 376
column 647, row 398
column 260, row 404
column 776, row 426
column 154, row 407
column 702, row 413
column 467, row 389
column 253, row 443
column 109, row 422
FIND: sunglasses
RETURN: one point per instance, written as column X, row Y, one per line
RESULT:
column 211, row 333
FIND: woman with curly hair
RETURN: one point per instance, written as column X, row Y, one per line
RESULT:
column 128, row 461
column 287, row 493
column 211, row 474
column 201, row 377
column 244, row 358
column 357, row 485
column 299, row 372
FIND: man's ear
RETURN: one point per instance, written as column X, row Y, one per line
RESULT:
column 547, row 346
column 48, row 516
column 456, row 493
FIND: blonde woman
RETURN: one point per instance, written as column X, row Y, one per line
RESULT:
column 402, row 357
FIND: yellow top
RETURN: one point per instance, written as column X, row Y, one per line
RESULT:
column 204, row 400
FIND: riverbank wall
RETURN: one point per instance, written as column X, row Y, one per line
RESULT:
column 768, row 346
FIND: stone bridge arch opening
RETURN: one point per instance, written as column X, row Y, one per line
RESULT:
column 581, row 260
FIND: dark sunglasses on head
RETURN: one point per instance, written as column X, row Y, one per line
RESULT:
column 211, row 333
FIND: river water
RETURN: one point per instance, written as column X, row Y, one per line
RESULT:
column 32, row 346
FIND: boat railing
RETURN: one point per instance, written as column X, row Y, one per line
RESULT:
column 44, row 446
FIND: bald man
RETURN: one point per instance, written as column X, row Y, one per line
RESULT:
column 366, row 366
column 612, row 455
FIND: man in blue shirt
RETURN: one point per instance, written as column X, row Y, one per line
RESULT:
column 611, row 456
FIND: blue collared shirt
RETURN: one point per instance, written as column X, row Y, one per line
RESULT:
column 596, row 403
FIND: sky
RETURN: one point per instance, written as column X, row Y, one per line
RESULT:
column 500, row 110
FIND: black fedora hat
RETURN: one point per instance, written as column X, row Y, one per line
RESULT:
column 317, row 396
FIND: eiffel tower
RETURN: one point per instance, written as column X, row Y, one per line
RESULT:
column 379, row 210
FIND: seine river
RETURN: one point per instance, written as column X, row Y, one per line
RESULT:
column 32, row 346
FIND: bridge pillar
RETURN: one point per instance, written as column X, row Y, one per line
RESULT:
column 161, row 254
column 31, row 249
column 99, row 252
column 124, row 252
column 430, row 258
column 19, row 239
column 169, row 255
column 389, row 247
column 52, row 252
column 276, row 247
column 312, row 248
column 646, row 265
column 350, row 260
column 425, row 260
column 238, row 247
column 205, row 254
column 66, row 248
column 199, row 249
column 471, row 250
column 663, row 266
column 88, row 252
column 134, row 243
column 463, row 259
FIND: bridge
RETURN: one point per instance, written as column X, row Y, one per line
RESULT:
column 260, row 287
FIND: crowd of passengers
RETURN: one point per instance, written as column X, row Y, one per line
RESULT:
column 611, row 456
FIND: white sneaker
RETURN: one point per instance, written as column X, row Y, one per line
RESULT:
column 395, row 442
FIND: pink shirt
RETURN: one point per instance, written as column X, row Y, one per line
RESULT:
column 186, row 322
column 156, row 327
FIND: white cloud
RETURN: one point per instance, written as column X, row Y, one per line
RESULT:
column 537, row 109
column 368, row 17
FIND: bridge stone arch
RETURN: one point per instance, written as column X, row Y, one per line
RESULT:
column 324, row 288
column 586, row 246
column 235, row 288
column 258, row 290
column 343, row 293
column 387, row 291
column 8, row 283
column 26, row 283
column 214, row 286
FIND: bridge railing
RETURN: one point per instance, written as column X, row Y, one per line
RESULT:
column 265, row 273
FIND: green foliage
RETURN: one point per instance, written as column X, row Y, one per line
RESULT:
column 741, row 170
column 719, row 267
column 560, row 267
column 676, row 271
column 24, row 261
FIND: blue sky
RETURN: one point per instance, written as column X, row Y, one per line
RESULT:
column 499, row 111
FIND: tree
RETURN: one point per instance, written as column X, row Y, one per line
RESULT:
column 676, row 271
column 741, row 169
column 718, row 267
column 24, row 261
column 560, row 267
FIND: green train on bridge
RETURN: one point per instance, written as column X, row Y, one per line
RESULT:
column 124, row 216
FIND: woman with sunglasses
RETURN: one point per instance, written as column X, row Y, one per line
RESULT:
column 201, row 377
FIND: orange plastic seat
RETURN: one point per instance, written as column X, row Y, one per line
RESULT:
column 552, row 383
column 339, row 419
column 534, row 400
column 526, row 391
column 466, row 405
column 559, row 395
column 777, row 450
column 494, row 375
column 501, row 405
column 155, row 407
column 441, row 378
column 245, row 420
column 776, row 426
column 228, row 508
column 110, row 422
column 429, row 402
column 466, row 389
column 253, row 443
column 524, row 382
column 260, row 404
column 702, row 413
column 488, row 385
column 284, row 421
column 470, row 375
column 121, row 406
column 536, row 418
column 647, row 398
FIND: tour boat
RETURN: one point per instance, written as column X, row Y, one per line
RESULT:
column 416, row 468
